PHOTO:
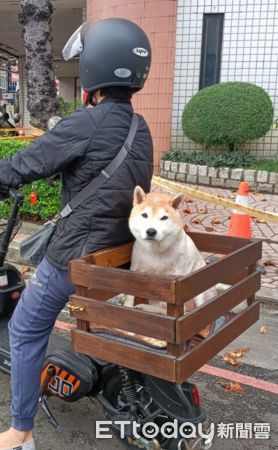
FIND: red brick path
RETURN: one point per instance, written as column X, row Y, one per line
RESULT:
column 268, row 231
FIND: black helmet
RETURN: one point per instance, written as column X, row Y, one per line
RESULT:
column 113, row 52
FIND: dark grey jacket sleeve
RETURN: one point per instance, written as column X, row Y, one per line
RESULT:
column 50, row 153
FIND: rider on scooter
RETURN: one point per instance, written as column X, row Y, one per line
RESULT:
column 115, row 58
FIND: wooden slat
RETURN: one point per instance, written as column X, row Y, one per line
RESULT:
column 80, row 323
column 175, row 311
column 129, row 319
column 203, row 352
column 100, row 294
column 201, row 280
column 216, row 243
column 251, row 299
column 190, row 324
column 123, row 281
column 113, row 257
column 234, row 278
column 147, row 361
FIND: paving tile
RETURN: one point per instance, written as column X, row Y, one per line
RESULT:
column 267, row 231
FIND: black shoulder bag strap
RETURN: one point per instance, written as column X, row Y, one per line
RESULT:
column 105, row 173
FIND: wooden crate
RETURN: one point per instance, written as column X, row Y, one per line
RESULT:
column 98, row 277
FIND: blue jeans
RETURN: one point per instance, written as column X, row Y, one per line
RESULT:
column 29, row 329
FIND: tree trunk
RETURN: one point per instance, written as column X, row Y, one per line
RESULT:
column 35, row 16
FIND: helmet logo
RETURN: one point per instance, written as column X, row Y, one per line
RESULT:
column 140, row 51
column 122, row 72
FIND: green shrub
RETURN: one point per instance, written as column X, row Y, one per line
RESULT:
column 222, row 159
column 68, row 107
column 270, row 165
column 48, row 203
column 227, row 114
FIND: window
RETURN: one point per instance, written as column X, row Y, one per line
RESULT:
column 211, row 49
column 3, row 78
column 3, row 83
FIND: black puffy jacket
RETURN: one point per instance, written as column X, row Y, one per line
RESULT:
column 80, row 146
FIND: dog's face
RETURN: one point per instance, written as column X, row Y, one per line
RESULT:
column 155, row 216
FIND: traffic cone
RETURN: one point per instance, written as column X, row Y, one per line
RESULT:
column 240, row 223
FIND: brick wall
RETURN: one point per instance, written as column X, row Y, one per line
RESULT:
column 158, row 19
column 222, row 177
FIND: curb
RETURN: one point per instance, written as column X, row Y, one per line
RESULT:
column 219, row 177
column 268, row 298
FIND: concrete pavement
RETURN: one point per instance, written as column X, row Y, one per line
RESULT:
column 77, row 420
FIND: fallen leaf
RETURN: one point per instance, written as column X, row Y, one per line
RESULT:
column 231, row 386
column 255, row 193
column 187, row 211
column 263, row 200
column 231, row 361
column 209, row 229
column 188, row 200
column 263, row 329
column 203, row 211
column 268, row 262
column 260, row 221
column 25, row 270
column 196, row 221
column 238, row 353
column 215, row 221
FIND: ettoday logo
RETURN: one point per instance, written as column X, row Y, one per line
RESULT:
column 150, row 430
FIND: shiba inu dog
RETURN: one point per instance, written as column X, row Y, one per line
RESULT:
column 161, row 244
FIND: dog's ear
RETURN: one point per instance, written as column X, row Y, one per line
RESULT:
column 138, row 196
column 177, row 201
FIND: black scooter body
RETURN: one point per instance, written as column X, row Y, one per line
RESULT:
column 15, row 286
column 124, row 394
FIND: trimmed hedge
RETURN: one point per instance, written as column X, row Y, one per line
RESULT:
column 66, row 108
column 227, row 114
column 48, row 203
column 233, row 160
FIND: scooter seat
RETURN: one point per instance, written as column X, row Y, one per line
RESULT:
column 128, row 337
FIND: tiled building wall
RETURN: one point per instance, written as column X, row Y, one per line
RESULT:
column 158, row 19
column 249, row 53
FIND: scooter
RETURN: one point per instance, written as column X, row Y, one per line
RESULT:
column 138, row 400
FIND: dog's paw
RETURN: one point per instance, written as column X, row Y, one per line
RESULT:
column 140, row 306
column 129, row 301
column 151, row 308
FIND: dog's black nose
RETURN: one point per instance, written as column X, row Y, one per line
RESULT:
column 151, row 232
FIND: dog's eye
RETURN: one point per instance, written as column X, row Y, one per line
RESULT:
column 164, row 218
column 145, row 215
